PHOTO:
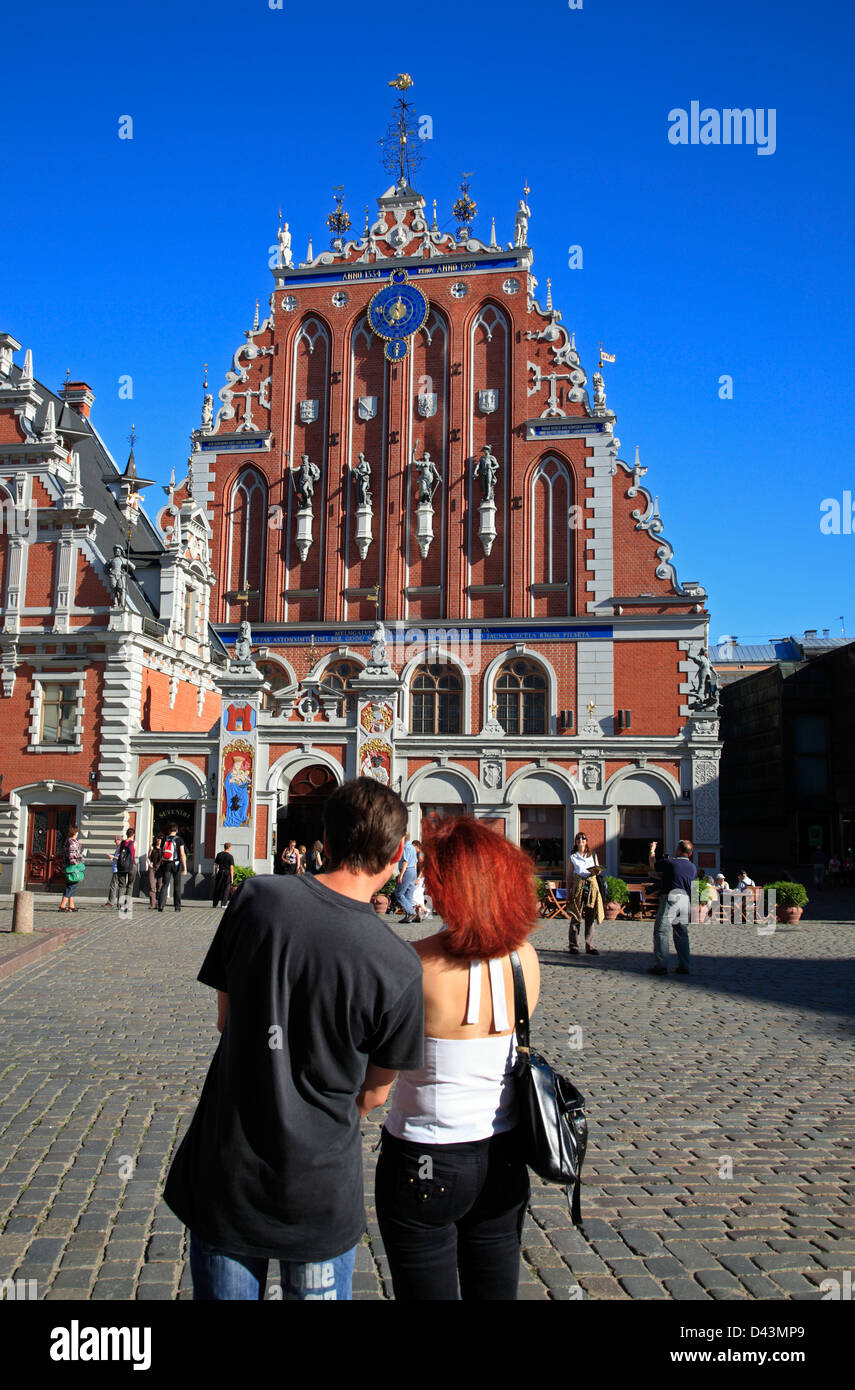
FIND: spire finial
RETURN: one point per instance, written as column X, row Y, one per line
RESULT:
column 434, row 225
column 367, row 221
column 309, row 253
column 205, row 379
column 465, row 209
column 526, row 189
column 401, row 152
column 548, row 293
column 255, row 318
column 492, row 233
column 338, row 220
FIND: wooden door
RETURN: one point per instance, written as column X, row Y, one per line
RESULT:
column 48, row 832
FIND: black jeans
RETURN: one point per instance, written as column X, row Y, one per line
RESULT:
column 449, row 1211
column 172, row 876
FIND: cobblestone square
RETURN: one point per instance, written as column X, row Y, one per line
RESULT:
column 720, row 1157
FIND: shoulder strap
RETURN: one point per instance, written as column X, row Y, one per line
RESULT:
column 520, row 1003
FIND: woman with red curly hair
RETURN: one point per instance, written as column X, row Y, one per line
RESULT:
column 451, row 1185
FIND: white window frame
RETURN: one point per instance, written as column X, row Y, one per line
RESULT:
column 45, row 678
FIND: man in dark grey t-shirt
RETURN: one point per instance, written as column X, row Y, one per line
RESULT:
column 320, row 1003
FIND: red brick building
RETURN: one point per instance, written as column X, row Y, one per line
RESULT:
column 108, row 700
column 537, row 669
column 407, row 442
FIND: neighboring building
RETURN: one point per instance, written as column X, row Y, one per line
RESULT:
column 788, row 764
column 461, row 485
column 733, row 661
column 107, row 707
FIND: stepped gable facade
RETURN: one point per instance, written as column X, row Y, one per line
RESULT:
column 453, row 580
column 108, row 697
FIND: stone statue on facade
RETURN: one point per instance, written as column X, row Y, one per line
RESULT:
column 361, row 472
column 521, row 224
column 207, row 412
column 378, row 660
column 487, row 469
column 428, row 480
column 705, row 693
column 242, row 657
column 307, row 475
column 283, row 236
column 118, row 567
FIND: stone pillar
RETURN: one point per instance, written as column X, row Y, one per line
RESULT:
column 22, row 912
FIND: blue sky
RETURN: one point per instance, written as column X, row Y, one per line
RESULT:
column 145, row 256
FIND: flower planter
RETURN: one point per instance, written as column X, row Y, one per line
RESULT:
column 613, row 911
column 790, row 914
column 380, row 903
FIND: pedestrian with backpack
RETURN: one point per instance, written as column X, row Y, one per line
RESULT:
column 113, row 894
column 173, row 862
column 153, row 869
column 125, row 862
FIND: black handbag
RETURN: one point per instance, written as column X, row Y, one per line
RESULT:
column 553, row 1124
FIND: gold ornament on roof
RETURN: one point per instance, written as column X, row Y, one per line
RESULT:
column 402, row 81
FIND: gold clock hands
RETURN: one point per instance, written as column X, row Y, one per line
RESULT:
column 397, row 311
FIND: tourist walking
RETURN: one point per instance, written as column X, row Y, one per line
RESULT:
column 125, row 867
column 173, row 863
column 153, row 871
column 324, row 1005
column 584, row 899
column 74, row 869
column 113, row 892
column 224, row 875
column 677, row 876
column 452, row 1186
column 406, row 881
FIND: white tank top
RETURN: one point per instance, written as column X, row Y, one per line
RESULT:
column 465, row 1090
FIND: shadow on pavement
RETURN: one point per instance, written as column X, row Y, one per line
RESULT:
column 825, row 984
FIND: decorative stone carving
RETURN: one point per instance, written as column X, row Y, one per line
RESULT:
column 308, row 412
column 491, row 775
column 283, row 236
column 426, row 404
column 592, row 777
column 488, row 401
column 118, row 568
column 705, row 800
column 487, row 469
column 366, row 407
column 378, row 660
column 361, row 472
column 705, row 693
column 428, row 476
column 304, row 482
column 242, row 654
column 521, row 223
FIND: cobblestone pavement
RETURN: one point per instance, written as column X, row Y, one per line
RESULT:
column 720, row 1160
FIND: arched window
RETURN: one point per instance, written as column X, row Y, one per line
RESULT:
column 278, row 680
column 336, row 677
column 521, row 698
column 436, row 695
column 247, row 529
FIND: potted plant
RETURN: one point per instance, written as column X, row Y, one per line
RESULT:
column 240, row 874
column 790, row 899
column 618, row 897
column 540, row 890
column 381, row 900
column 701, row 909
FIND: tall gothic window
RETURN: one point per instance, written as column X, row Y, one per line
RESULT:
column 247, row 521
column 521, row 698
column 436, row 696
column 550, row 515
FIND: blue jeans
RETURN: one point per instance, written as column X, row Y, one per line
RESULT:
column 219, row 1277
column 404, row 893
column 674, row 913
column 451, row 1216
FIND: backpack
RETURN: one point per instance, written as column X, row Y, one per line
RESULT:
column 170, row 850
column 155, row 857
column 125, row 861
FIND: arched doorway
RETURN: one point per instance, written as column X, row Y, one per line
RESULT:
column 302, row 819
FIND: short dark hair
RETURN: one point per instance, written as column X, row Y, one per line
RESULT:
column 173, row 828
column 685, row 847
column 364, row 823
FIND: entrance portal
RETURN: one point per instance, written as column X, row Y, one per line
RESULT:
column 180, row 813
column 46, row 848
column 302, row 819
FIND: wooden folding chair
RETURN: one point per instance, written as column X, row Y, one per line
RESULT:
column 552, row 905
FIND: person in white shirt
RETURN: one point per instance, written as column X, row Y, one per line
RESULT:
column 584, row 898
column 744, row 881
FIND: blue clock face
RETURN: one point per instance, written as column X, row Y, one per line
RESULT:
column 395, row 313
